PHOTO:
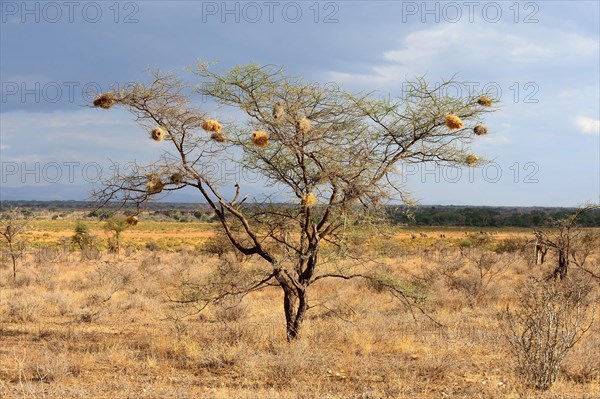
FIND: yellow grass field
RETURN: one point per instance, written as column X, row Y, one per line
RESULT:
column 110, row 327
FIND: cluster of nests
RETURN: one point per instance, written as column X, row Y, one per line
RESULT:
column 303, row 125
column 214, row 128
column 260, row 138
column 155, row 185
column 454, row 122
column 210, row 125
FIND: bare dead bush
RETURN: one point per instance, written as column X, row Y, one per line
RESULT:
column 551, row 320
column 474, row 277
column 230, row 309
column 24, row 309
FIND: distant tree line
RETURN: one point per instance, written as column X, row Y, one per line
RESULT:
column 486, row 216
column 458, row 216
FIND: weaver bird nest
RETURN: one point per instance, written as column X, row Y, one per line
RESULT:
column 158, row 134
column 454, row 122
column 218, row 137
column 211, row 125
column 260, row 138
column 485, row 101
column 154, row 184
column 278, row 111
column 176, row 178
column 308, row 200
column 303, row 125
column 105, row 100
column 471, row 159
column 480, row 130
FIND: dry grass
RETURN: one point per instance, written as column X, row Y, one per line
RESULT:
column 106, row 329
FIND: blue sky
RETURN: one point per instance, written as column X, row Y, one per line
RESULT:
column 543, row 57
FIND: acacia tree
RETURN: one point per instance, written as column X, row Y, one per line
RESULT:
column 116, row 226
column 334, row 155
column 11, row 229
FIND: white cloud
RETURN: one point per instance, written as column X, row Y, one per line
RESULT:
column 588, row 125
column 81, row 134
column 448, row 48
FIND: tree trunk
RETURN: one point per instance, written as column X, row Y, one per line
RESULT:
column 563, row 265
column 300, row 313
column 14, row 260
column 289, row 306
column 295, row 305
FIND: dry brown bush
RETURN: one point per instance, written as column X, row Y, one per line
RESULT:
column 548, row 320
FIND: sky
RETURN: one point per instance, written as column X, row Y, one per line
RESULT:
column 542, row 58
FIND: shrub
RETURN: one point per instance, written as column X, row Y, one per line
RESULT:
column 551, row 320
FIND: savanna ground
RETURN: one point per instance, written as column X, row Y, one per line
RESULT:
column 108, row 327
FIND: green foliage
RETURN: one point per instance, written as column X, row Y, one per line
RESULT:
column 27, row 213
column 511, row 245
column 101, row 214
column 82, row 237
column 486, row 216
column 219, row 244
column 115, row 226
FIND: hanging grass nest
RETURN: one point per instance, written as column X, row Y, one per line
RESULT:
column 303, row 125
column 308, row 200
column 154, row 184
column 176, row 178
column 260, row 138
column 105, row 100
column 158, row 134
column 480, row 130
column 485, row 101
column 218, row 137
column 278, row 111
column 132, row 220
column 471, row 159
column 211, row 125
column 454, row 122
